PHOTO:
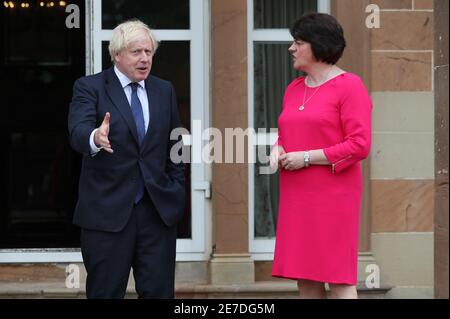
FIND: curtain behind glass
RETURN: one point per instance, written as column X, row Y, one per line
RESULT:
column 273, row 71
column 280, row 13
column 167, row 14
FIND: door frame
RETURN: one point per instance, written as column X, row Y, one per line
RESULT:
column 196, row 248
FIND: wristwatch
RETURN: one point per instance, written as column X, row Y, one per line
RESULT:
column 306, row 158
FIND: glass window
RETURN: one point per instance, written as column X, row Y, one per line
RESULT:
column 36, row 27
column 273, row 71
column 178, row 73
column 172, row 62
column 167, row 14
column 280, row 14
column 40, row 59
column 266, row 201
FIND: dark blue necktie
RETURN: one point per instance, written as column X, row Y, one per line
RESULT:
column 136, row 109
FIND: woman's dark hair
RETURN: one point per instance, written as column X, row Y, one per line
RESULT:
column 324, row 33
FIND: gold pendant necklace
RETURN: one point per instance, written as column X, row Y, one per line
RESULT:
column 302, row 106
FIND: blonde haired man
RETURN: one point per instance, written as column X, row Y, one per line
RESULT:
column 131, row 195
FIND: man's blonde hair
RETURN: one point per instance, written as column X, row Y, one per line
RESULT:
column 128, row 32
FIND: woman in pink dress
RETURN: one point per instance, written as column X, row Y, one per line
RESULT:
column 324, row 133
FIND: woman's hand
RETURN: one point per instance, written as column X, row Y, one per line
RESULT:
column 292, row 161
column 275, row 154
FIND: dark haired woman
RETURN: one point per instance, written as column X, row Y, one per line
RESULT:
column 324, row 133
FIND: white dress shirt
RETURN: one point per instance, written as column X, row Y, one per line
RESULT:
column 142, row 95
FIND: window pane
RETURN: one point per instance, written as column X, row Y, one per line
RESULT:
column 280, row 13
column 36, row 27
column 167, row 14
column 266, row 200
column 40, row 58
column 273, row 72
column 172, row 63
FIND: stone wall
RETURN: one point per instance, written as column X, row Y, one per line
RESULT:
column 402, row 158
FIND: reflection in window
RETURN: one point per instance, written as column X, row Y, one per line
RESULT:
column 280, row 13
column 167, row 14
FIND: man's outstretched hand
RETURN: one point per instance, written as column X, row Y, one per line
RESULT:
column 101, row 135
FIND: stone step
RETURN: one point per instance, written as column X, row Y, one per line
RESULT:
column 261, row 290
column 258, row 290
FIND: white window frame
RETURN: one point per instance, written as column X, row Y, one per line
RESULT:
column 262, row 248
column 194, row 249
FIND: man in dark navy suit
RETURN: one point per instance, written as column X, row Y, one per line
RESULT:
column 131, row 194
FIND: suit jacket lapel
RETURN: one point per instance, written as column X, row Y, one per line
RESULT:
column 119, row 99
column 154, row 106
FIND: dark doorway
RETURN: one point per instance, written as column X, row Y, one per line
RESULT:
column 40, row 58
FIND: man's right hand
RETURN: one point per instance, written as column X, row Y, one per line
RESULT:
column 101, row 135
